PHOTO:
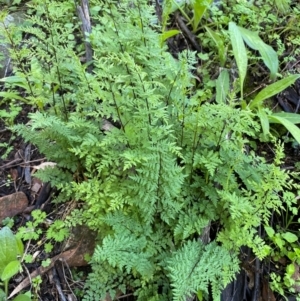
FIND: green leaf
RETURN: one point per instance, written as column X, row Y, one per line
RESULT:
column 20, row 246
column 291, row 117
column 264, row 120
column 272, row 90
column 293, row 129
column 222, row 86
column 9, row 250
column 16, row 81
column 270, row 231
column 199, row 8
column 268, row 54
column 200, row 295
column 290, row 237
column 2, row 295
column 219, row 43
column 11, row 95
column 22, row 297
column 239, row 52
column 279, row 241
column 10, row 270
column 168, row 34
column 290, row 269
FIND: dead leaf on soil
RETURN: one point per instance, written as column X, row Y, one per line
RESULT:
column 44, row 165
column 13, row 204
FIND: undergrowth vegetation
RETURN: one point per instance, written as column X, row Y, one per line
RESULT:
column 165, row 166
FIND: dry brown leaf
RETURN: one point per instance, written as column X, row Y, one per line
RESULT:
column 44, row 165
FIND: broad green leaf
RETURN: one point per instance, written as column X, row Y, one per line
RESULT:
column 222, row 86
column 11, row 269
column 8, row 248
column 291, row 255
column 265, row 124
column 293, row 129
column 272, row 90
column 11, row 95
column 22, row 297
column 239, row 52
column 270, row 58
column 268, row 54
column 290, row 269
column 2, row 295
column 199, row 8
column 20, row 246
column 290, row 237
column 200, row 295
column 270, row 231
column 168, row 34
column 219, row 43
column 291, row 117
column 279, row 241
column 16, row 81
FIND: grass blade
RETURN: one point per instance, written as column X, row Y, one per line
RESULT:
column 239, row 52
column 293, row 129
column 272, row 90
column 268, row 54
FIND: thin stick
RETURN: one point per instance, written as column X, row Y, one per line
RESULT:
column 83, row 15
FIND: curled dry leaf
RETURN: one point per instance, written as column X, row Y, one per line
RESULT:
column 36, row 185
column 14, row 174
column 44, row 165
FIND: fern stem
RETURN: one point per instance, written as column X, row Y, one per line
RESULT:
column 159, row 175
column 56, row 61
column 122, row 48
column 220, row 137
column 147, row 102
column 194, row 147
column 139, row 9
column 172, row 86
column 117, row 108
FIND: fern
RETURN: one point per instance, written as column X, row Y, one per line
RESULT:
column 195, row 266
column 170, row 164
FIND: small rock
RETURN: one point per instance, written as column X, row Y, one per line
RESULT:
column 13, row 204
column 83, row 240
